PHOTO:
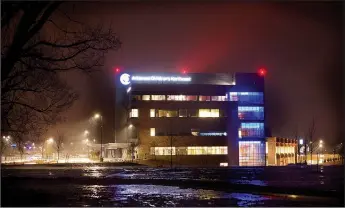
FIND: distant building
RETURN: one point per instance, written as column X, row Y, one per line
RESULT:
column 202, row 119
column 280, row 151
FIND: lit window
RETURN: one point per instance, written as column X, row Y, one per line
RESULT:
column 251, row 113
column 163, row 150
column 251, row 153
column 208, row 150
column 204, row 98
column 146, row 97
column 134, row 113
column 192, row 98
column 195, row 132
column 167, row 113
column 182, row 113
column 177, row 97
column 208, row 112
column 157, row 97
column 252, row 130
column 219, row 98
column 152, row 132
column 225, row 164
column 233, row 96
column 247, row 97
column 152, row 113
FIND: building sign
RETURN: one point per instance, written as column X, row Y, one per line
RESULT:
column 126, row 79
column 212, row 134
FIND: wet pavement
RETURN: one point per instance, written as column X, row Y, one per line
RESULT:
column 140, row 186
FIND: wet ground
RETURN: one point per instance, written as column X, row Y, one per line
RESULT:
column 140, row 186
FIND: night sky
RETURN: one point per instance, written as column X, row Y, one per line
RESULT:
column 300, row 45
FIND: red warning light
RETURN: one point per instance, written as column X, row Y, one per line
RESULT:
column 262, row 72
column 184, row 71
column 116, row 69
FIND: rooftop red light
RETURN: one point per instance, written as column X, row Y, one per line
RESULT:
column 116, row 69
column 262, row 72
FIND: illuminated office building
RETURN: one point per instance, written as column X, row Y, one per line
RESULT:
column 201, row 119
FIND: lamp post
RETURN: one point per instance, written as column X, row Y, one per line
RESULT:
column 300, row 144
column 49, row 140
column 317, row 155
column 98, row 116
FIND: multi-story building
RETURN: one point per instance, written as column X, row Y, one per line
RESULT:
column 205, row 119
column 281, row 151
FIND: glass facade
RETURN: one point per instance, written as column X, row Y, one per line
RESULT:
column 206, row 150
column 251, row 130
column 251, row 113
column 251, row 153
column 247, row 97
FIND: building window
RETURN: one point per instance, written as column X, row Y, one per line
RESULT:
column 192, row 98
column 157, row 97
column 152, row 132
column 204, row 98
column 146, row 97
column 176, row 97
column 195, row 132
column 251, row 153
column 167, row 113
column 208, row 112
column 233, row 96
column 247, row 97
column 163, row 150
column 193, row 113
column 224, row 164
column 251, row 130
column 207, row 150
column 219, row 98
column 182, row 113
column 250, row 113
column 134, row 113
column 152, row 113
column 136, row 97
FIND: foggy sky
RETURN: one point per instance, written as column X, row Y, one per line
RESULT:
column 300, row 45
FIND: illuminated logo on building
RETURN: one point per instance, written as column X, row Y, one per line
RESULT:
column 125, row 79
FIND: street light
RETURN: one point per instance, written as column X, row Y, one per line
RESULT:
column 98, row 116
column 49, row 140
column 86, row 132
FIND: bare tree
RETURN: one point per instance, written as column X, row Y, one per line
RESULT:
column 59, row 144
column 33, row 94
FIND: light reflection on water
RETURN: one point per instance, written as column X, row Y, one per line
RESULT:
column 157, row 195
